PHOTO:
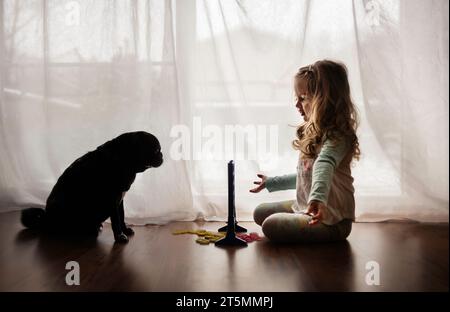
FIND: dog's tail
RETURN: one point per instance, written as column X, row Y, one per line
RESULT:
column 33, row 218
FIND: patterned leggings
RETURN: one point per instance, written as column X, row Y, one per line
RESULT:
column 281, row 224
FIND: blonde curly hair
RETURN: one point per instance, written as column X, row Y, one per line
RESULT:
column 333, row 113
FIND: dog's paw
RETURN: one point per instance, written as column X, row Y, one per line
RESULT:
column 121, row 238
column 128, row 231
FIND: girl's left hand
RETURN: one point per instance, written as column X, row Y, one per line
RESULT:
column 317, row 210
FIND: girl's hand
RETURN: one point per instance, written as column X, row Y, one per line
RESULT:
column 261, row 184
column 317, row 210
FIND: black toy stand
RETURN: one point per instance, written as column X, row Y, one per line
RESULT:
column 232, row 227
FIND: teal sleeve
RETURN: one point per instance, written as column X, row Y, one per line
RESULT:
column 328, row 160
column 280, row 183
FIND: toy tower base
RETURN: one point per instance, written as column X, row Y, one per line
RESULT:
column 238, row 228
column 231, row 240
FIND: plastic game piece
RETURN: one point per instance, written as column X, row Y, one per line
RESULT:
column 202, row 241
column 205, row 237
column 249, row 237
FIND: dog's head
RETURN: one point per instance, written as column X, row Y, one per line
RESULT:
column 139, row 150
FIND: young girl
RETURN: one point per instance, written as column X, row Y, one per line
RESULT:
column 327, row 142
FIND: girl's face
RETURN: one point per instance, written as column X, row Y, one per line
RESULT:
column 303, row 100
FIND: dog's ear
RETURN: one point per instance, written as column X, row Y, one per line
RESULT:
column 118, row 150
column 107, row 150
column 126, row 146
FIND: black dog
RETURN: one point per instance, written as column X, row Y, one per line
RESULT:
column 91, row 189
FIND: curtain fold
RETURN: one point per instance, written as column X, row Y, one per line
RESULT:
column 213, row 80
column 403, row 60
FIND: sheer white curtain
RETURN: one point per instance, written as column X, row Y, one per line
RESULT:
column 213, row 80
column 403, row 63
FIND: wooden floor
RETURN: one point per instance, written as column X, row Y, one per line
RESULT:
column 412, row 257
